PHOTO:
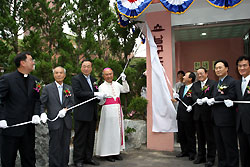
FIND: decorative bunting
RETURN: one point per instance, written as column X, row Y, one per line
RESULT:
column 224, row 3
column 176, row 6
column 123, row 20
column 132, row 8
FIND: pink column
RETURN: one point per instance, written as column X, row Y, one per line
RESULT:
column 163, row 36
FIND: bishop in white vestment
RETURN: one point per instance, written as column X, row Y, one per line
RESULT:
column 110, row 138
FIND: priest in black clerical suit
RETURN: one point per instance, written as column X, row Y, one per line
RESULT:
column 19, row 102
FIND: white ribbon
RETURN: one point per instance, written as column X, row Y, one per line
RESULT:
column 182, row 102
column 73, row 108
column 239, row 102
column 243, row 102
column 28, row 122
column 134, row 52
column 24, row 123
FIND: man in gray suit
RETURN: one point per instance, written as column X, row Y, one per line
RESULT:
column 57, row 97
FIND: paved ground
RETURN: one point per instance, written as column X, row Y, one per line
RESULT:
column 148, row 158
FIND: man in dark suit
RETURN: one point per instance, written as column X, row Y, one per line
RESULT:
column 186, row 128
column 243, row 114
column 19, row 102
column 57, row 97
column 224, row 118
column 85, row 116
column 202, row 90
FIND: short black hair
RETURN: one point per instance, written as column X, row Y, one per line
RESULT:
column 20, row 57
column 192, row 75
column 86, row 60
column 181, row 72
column 243, row 58
column 202, row 68
column 222, row 61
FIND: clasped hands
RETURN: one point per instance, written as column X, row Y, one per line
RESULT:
column 205, row 100
column 202, row 101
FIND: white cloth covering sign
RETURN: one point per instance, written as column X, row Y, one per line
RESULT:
column 163, row 111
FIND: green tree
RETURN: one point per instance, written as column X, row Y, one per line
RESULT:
column 4, row 54
column 90, row 21
column 49, row 44
column 12, row 16
column 97, row 33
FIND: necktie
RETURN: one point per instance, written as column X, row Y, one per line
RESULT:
column 243, row 86
column 185, row 91
column 60, row 92
column 219, row 84
column 89, row 82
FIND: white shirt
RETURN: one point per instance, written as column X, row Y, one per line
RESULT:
column 244, row 84
column 203, row 83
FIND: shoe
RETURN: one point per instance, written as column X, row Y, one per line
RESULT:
column 110, row 159
column 79, row 164
column 209, row 164
column 182, row 155
column 191, row 157
column 92, row 162
column 199, row 160
column 118, row 157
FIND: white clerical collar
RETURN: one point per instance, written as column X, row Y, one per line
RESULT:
column 247, row 78
column 57, row 84
column 24, row 75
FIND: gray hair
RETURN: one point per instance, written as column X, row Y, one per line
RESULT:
column 60, row 67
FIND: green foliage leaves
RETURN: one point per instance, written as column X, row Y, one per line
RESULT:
column 4, row 53
column 137, row 108
column 128, row 131
column 44, row 68
column 97, row 36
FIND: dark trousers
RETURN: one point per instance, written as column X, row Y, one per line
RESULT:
column 59, row 147
column 26, row 146
column 244, row 140
column 186, row 132
column 84, row 140
column 227, row 148
column 205, row 137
